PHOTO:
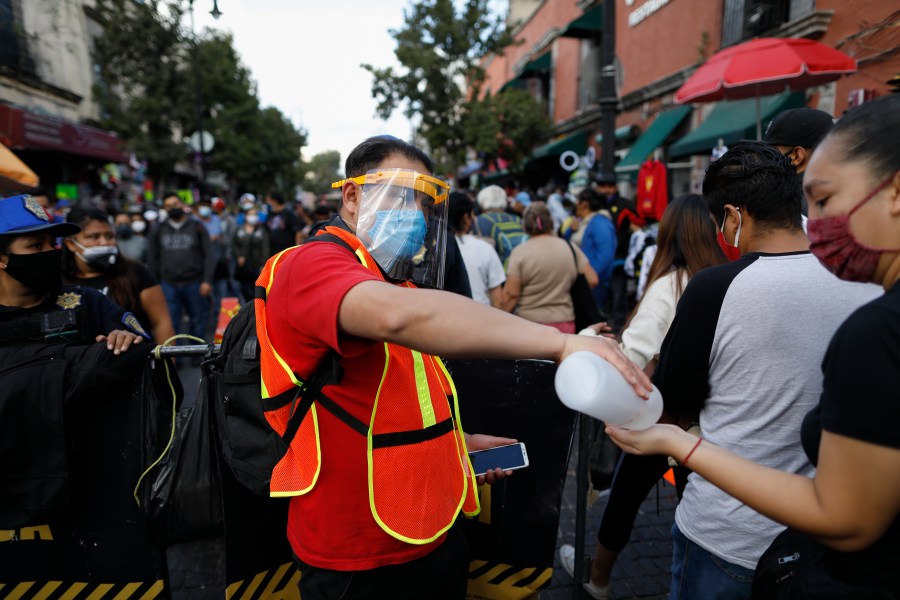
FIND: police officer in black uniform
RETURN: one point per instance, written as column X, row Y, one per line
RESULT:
column 59, row 345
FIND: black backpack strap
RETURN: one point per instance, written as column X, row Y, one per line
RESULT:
column 329, row 372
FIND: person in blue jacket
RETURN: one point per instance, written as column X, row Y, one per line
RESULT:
column 599, row 244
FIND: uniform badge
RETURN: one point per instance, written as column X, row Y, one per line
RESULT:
column 34, row 207
column 68, row 300
column 132, row 323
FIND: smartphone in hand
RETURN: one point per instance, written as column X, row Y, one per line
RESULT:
column 508, row 458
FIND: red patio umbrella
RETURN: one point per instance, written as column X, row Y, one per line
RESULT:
column 762, row 67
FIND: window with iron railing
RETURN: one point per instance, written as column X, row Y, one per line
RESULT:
column 745, row 19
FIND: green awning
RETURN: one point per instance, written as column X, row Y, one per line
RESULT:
column 517, row 83
column 623, row 134
column 664, row 124
column 533, row 68
column 494, row 176
column 576, row 142
column 587, row 25
column 734, row 121
column 541, row 64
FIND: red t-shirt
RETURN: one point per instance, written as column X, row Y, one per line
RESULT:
column 332, row 526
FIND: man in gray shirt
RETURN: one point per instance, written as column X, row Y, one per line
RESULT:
column 181, row 257
column 743, row 357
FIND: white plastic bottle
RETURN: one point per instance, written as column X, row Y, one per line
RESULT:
column 590, row 385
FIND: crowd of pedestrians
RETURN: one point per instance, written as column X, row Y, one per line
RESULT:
column 779, row 368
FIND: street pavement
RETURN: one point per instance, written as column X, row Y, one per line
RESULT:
column 643, row 568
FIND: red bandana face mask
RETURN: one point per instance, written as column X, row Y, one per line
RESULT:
column 831, row 241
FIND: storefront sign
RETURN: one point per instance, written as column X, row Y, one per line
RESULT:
column 27, row 129
column 642, row 12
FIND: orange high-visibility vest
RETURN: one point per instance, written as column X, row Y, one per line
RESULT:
column 419, row 472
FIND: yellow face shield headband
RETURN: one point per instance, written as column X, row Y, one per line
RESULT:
column 436, row 189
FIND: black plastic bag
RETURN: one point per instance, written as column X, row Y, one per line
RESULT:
column 181, row 490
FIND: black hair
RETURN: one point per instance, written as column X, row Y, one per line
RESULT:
column 277, row 196
column 595, row 200
column 460, row 206
column 759, row 179
column 169, row 194
column 39, row 191
column 868, row 133
column 375, row 150
column 5, row 242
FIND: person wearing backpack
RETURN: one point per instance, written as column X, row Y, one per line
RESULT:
column 502, row 228
column 378, row 469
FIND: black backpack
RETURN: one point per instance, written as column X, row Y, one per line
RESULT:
column 250, row 447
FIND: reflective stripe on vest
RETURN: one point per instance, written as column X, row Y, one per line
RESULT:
column 419, row 474
column 297, row 472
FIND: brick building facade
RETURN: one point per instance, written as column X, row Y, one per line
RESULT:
column 659, row 43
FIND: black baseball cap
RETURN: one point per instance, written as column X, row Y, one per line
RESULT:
column 804, row 127
column 601, row 178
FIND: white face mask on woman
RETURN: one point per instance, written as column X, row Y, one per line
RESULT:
column 99, row 258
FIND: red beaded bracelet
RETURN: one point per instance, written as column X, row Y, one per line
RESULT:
column 684, row 462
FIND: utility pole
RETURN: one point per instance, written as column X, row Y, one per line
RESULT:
column 198, row 102
column 609, row 101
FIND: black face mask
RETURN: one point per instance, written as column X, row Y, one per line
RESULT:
column 176, row 214
column 40, row 272
column 124, row 231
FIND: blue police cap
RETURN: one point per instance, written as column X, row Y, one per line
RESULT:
column 21, row 215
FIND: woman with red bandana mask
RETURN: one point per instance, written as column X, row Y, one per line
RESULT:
column 852, row 505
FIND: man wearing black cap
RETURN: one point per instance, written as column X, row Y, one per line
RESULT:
column 796, row 133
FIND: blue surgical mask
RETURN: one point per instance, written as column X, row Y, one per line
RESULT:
column 396, row 236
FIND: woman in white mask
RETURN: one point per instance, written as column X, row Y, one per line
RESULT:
column 92, row 259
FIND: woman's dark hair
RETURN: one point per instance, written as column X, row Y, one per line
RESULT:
column 373, row 151
column 121, row 279
column 686, row 242
column 5, row 242
column 759, row 179
column 536, row 219
column 868, row 133
column 460, row 206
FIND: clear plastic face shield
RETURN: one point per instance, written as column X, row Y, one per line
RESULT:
column 402, row 222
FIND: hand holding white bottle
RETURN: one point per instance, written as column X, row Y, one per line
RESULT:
column 588, row 384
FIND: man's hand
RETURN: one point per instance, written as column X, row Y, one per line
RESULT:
column 119, row 340
column 609, row 350
column 479, row 441
column 205, row 289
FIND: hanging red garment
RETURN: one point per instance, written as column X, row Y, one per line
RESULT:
column 652, row 190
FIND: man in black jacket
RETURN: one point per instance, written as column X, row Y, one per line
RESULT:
column 181, row 256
